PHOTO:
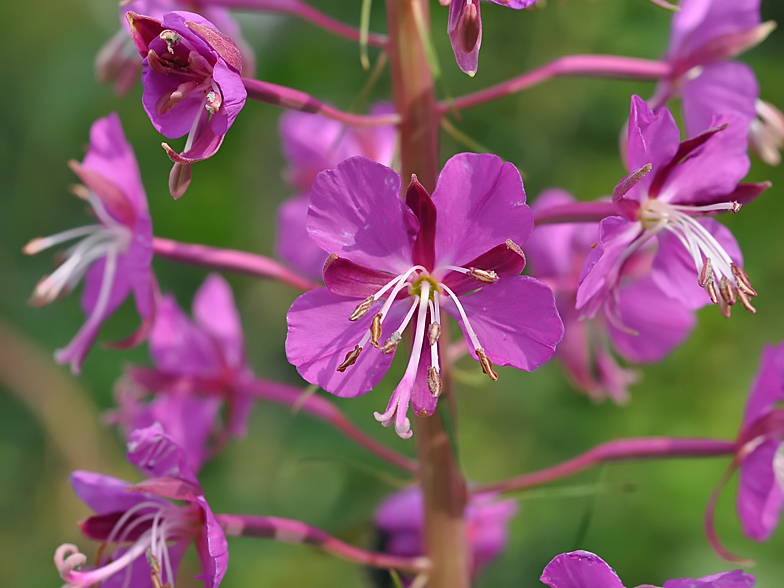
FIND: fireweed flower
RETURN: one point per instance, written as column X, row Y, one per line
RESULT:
column 312, row 144
column 198, row 364
column 144, row 533
column 465, row 29
column 698, row 260
column 118, row 60
column 583, row 569
column 401, row 521
column 655, row 323
column 114, row 254
column 192, row 85
column 397, row 262
column 705, row 34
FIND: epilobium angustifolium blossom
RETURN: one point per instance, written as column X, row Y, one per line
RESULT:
column 556, row 254
column 401, row 521
column 312, row 144
column 115, row 253
column 671, row 182
column 192, row 85
column 583, row 569
column 465, row 29
column 399, row 261
column 144, row 534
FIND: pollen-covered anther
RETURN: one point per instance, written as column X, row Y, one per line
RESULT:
column 736, row 206
column 375, row 329
column 214, row 102
column 744, row 300
column 362, row 308
column 742, row 279
column 351, row 358
column 710, row 288
column 727, row 291
column 484, row 276
column 171, row 38
column 706, row 274
column 155, row 571
column 390, row 345
column 434, row 381
column 433, row 333
column 487, row 365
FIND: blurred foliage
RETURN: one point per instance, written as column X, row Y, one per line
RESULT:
column 648, row 525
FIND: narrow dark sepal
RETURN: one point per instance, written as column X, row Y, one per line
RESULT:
column 505, row 260
column 347, row 278
column 99, row 527
column 419, row 201
column 745, row 193
column 143, row 31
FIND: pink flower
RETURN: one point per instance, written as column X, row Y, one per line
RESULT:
column 115, row 254
column 398, row 262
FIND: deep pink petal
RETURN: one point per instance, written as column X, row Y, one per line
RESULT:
column 465, row 33
column 157, row 455
column 768, row 386
column 211, row 547
column 320, row 335
column 204, row 147
column 357, row 213
column 106, row 494
column 234, row 96
column 215, row 311
column 580, row 569
column 178, row 121
column 515, row 320
column 733, row 579
column 516, row 4
column 292, row 243
column 661, row 323
column 481, row 203
column 760, row 496
column 652, row 139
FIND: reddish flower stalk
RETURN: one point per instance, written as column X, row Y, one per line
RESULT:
column 295, row 100
column 231, row 260
column 291, row 531
column 575, row 212
column 617, row 450
column 323, row 409
column 306, row 12
column 609, row 66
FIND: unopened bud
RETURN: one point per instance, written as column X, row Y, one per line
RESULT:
column 469, row 28
column 487, row 365
column 375, row 329
column 433, row 333
column 488, row 277
column 434, row 381
column 351, row 358
column 390, row 345
column 362, row 308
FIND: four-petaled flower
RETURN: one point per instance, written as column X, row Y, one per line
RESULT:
column 192, row 85
column 400, row 261
column 143, row 533
column 583, row 569
column 115, row 254
column 698, row 260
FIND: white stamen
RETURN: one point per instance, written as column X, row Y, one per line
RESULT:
column 469, row 329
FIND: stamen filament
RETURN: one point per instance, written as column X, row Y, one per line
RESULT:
column 469, row 329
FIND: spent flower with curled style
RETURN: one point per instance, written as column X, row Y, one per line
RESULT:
column 397, row 262
column 114, row 254
column 583, row 569
column 312, row 144
column 672, row 189
column 556, row 254
column 143, row 532
column 192, row 85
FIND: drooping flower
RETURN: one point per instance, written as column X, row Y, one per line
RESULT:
column 198, row 366
column 465, row 29
column 705, row 35
column 192, row 85
column 144, row 533
column 397, row 262
column 115, row 254
column 583, row 569
column 654, row 322
column 118, row 60
column 312, row 144
column 669, row 194
column 401, row 520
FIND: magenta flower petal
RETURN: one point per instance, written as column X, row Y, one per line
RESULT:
column 660, row 323
column 212, row 548
column 653, row 139
column 156, row 454
column 515, row 320
column 320, row 336
column 580, row 569
column 768, row 386
column 481, row 204
column 733, row 579
column 357, row 213
column 216, row 313
column 106, row 494
column 292, row 243
column 760, row 495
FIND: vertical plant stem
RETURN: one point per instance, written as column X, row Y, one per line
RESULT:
column 442, row 482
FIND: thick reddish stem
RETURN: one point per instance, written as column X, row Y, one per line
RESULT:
column 606, row 66
column 323, row 409
column 231, row 260
column 284, row 97
column 291, row 531
column 620, row 449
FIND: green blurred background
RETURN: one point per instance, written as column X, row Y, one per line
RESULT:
column 647, row 524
